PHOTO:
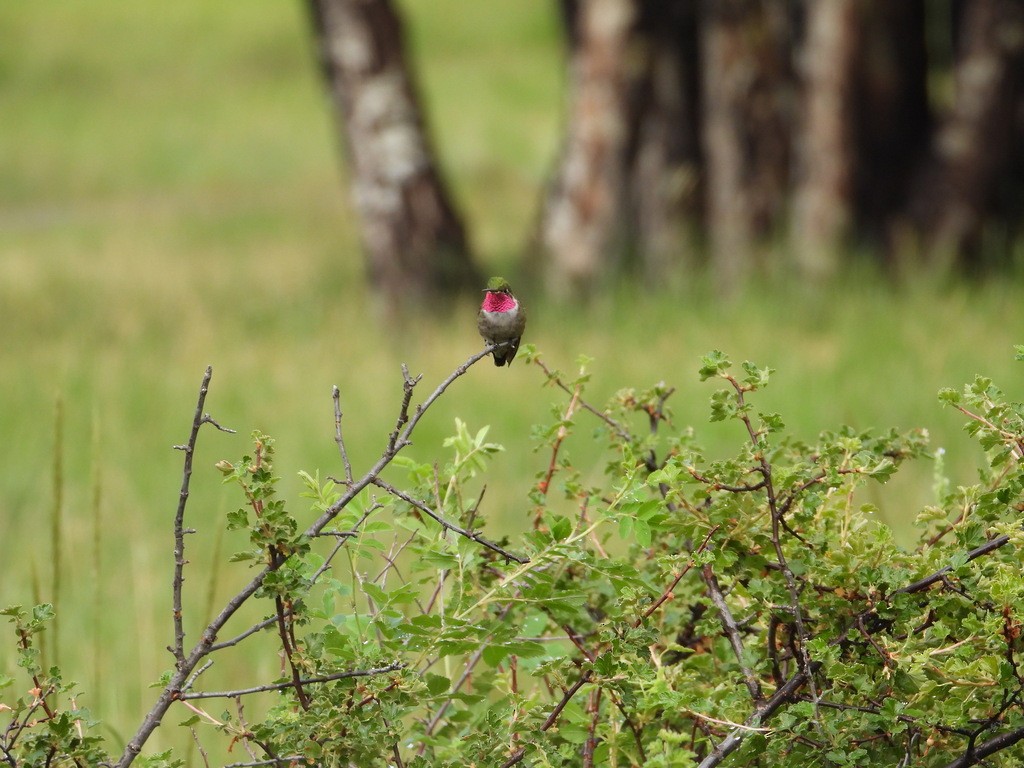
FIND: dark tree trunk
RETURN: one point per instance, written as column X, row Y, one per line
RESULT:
column 893, row 114
column 665, row 149
column 415, row 243
column 974, row 144
column 748, row 83
column 823, row 204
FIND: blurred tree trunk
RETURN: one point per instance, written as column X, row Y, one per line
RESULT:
column 665, row 148
column 625, row 182
column 893, row 116
column 581, row 216
column 823, row 204
column 974, row 143
column 745, row 50
column 415, row 243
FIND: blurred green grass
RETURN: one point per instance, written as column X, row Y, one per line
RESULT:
column 172, row 200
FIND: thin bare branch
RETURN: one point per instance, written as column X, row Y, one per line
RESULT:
column 667, row 593
column 615, row 426
column 732, row 631
column 184, row 696
column 406, row 424
column 447, row 524
column 179, row 516
column 338, row 438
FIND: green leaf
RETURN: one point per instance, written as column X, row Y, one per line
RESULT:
column 495, row 654
column 561, row 528
column 642, row 531
column 713, row 364
column 437, row 684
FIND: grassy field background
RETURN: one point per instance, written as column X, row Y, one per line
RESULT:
column 170, row 198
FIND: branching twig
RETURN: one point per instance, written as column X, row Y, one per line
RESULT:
column 939, row 575
column 563, row 432
column 615, row 426
column 338, row 438
column 267, row 622
column 447, row 524
column 183, row 696
column 179, row 516
column 732, row 630
column 1011, row 439
column 552, row 718
column 761, row 713
column 592, row 656
column 667, row 593
column 777, row 524
column 405, row 425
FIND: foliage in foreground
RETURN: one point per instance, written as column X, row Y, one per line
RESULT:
column 679, row 610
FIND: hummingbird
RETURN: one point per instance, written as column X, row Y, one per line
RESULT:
column 502, row 320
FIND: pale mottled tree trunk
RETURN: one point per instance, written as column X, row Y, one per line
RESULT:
column 625, row 189
column 583, row 208
column 416, row 247
column 823, row 204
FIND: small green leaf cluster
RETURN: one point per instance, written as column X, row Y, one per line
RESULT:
column 44, row 725
column 270, row 526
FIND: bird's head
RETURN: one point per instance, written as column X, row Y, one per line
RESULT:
column 498, row 285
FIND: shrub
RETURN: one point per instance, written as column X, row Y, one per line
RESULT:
column 682, row 611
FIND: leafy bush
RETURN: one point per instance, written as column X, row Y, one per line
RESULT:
column 684, row 610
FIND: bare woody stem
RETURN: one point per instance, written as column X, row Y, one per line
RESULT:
column 587, row 674
column 185, row 664
column 179, row 521
column 336, row 396
column 760, row 714
column 283, row 686
column 765, row 469
column 447, row 524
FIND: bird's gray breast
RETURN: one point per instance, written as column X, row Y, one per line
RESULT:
column 498, row 325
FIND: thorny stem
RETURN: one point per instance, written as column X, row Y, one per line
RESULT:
column 282, row 686
column 563, row 432
column 616, row 427
column 447, row 524
column 179, row 516
column 336, row 397
column 405, row 425
column 777, row 524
